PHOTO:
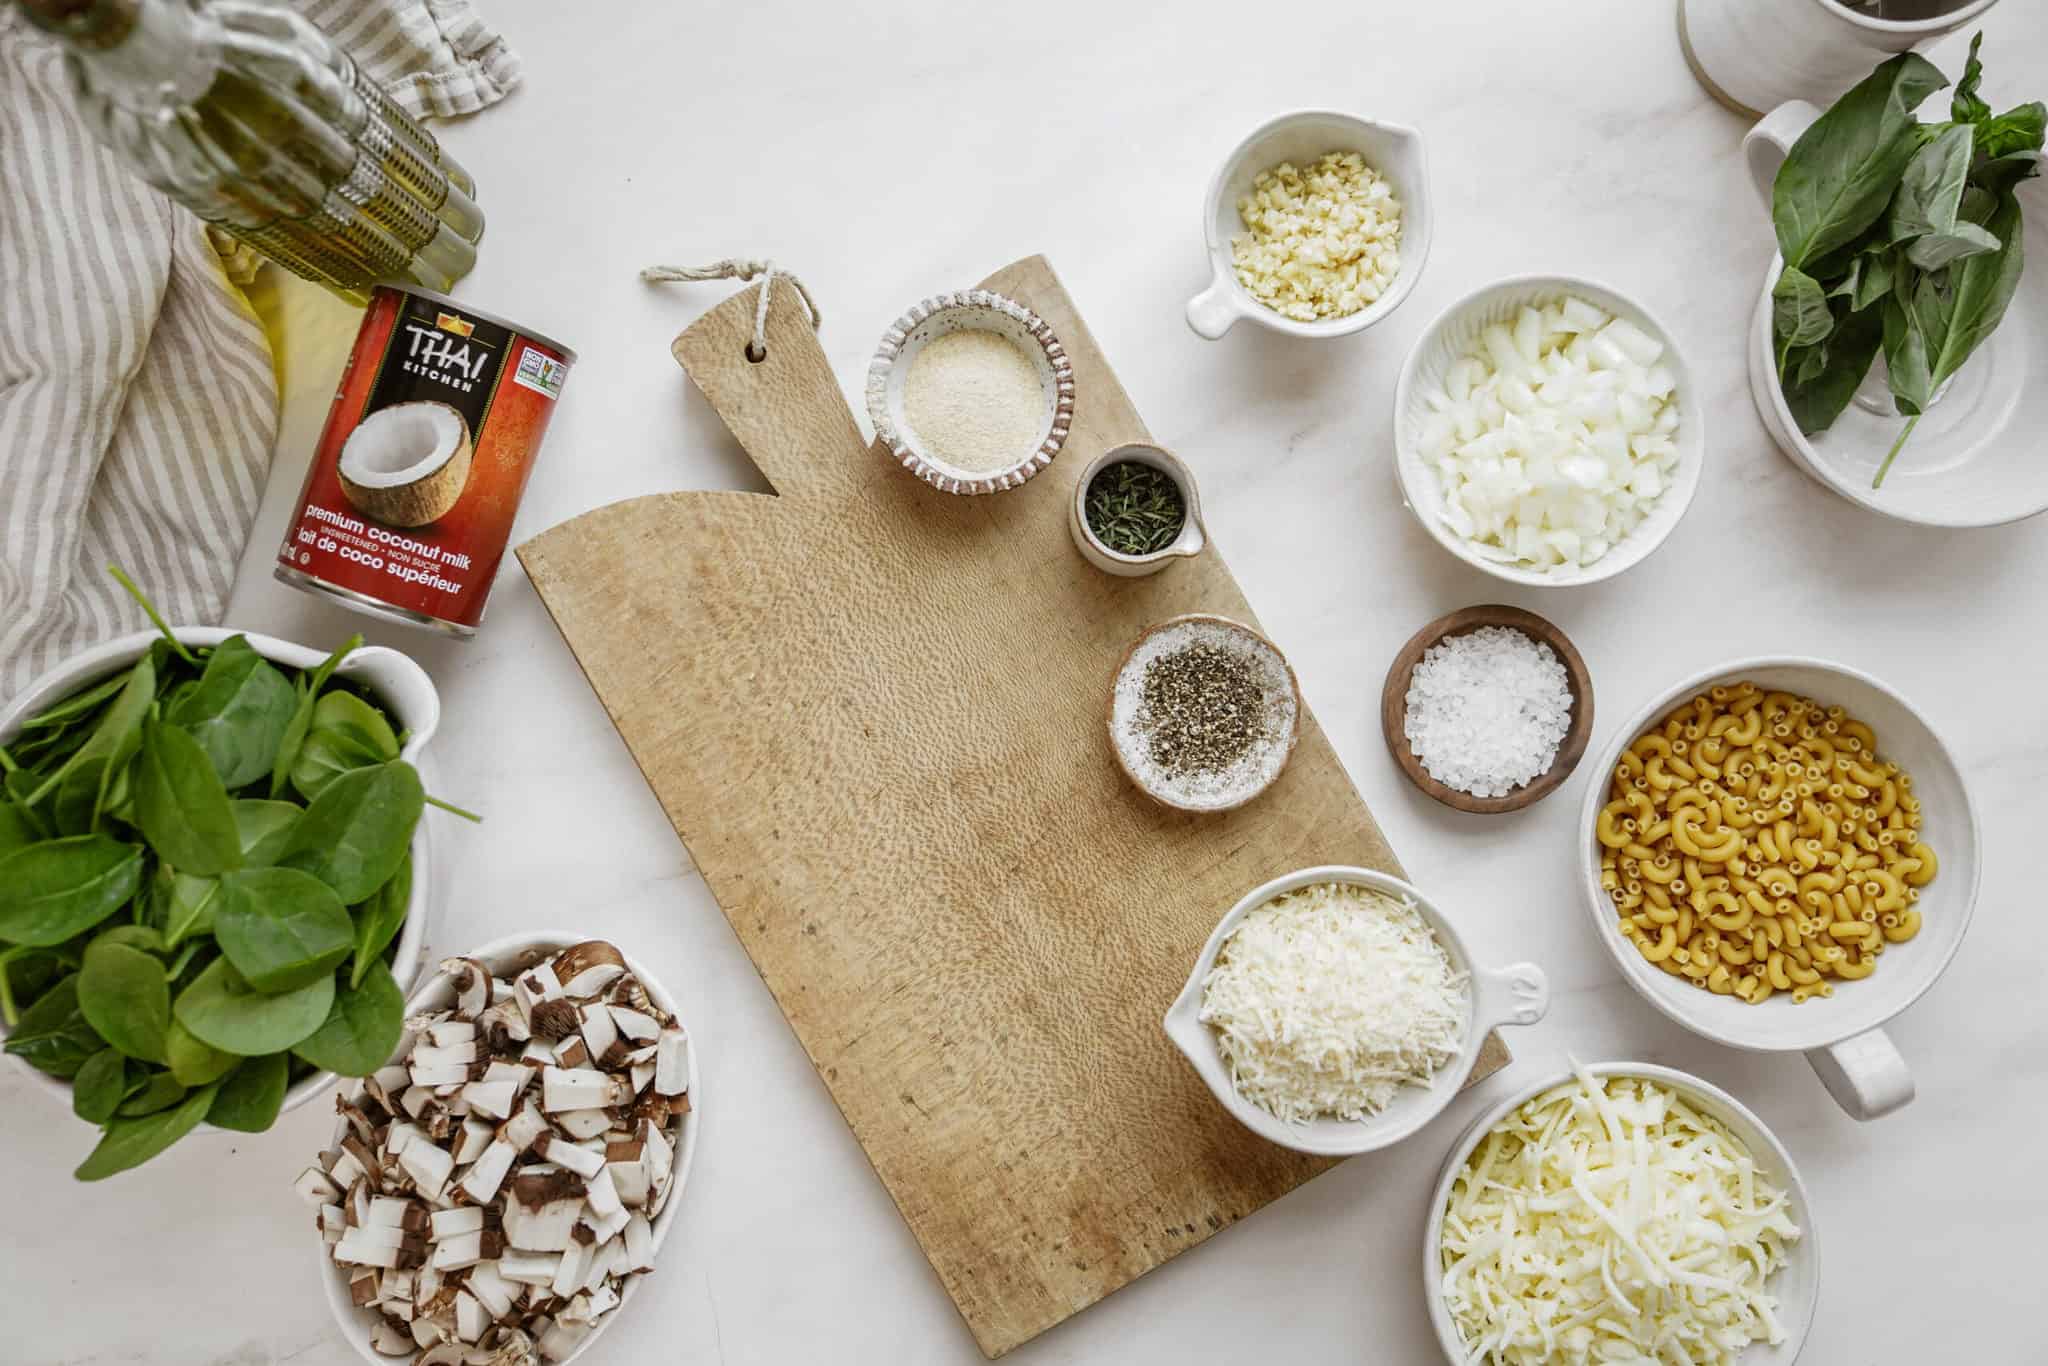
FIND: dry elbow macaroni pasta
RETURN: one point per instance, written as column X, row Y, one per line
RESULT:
column 1755, row 843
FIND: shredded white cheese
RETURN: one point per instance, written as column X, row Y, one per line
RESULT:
column 1327, row 1000
column 1607, row 1220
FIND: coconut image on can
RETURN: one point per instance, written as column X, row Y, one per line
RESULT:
column 406, row 465
column 409, row 499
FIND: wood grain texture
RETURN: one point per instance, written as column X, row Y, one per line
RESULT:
column 873, row 711
column 1394, row 706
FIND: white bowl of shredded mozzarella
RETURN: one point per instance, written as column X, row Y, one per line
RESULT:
column 1335, row 1010
column 1546, row 430
column 1622, row 1212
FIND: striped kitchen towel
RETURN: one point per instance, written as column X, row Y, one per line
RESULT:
column 138, row 405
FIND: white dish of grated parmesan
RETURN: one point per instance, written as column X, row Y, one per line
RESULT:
column 1338, row 1038
column 1620, row 1212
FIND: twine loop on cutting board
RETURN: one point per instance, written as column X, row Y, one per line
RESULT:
column 743, row 269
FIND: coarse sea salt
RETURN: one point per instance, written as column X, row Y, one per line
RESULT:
column 1487, row 710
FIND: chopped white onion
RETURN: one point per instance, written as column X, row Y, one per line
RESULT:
column 1554, row 436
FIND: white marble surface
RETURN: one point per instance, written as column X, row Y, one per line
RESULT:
column 887, row 156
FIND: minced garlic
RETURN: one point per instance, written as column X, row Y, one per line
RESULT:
column 1322, row 243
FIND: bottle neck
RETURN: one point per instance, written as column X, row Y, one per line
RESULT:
column 140, row 54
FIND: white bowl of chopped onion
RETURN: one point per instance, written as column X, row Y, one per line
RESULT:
column 1586, row 1204
column 1547, row 431
column 1488, row 998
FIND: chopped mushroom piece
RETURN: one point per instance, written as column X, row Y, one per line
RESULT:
column 491, row 1190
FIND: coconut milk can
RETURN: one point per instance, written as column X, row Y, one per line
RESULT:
column 409, row 502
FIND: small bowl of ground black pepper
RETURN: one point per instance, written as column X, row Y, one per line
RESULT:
column 1136, row 511
column 1203, row 713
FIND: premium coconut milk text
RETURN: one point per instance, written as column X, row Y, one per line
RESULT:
column 409, row 501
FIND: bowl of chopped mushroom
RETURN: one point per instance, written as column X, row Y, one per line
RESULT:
column 1317, row 225
column 494, row 1196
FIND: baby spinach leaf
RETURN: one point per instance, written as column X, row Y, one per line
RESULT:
column 308, row 688
column 181, row 805
column 252, row 1095
column 54, row 890
column 1799, row 311
column 264, row 829
column 1816, row 400
column 185, row 903
column 356, row 831
column 363, row 1028
column 159, row 1092
column 78, row 706
column 99, row 1087
column 125, row 997
column 1931, row 188
column 194, row 1063
column 79, row 784
column 238, row 712
column 222, row 1010
column 347, row 734
column 281, row 927
column 379, row 919
column 15, row 830
column 1839, row 176
column 53, row 1035
column 131, row 1142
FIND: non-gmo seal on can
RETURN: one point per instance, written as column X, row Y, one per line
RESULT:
column 409, row 502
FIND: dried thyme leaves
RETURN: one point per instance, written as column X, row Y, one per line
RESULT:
column 1201, row 709
column 1134, row 509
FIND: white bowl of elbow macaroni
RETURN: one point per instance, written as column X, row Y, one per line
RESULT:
column 1839, row 1030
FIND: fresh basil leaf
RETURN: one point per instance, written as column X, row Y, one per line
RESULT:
column 1931, row 188
column 356, row 831
column 160, row 1092
column 2017, row 130
column 181, row 805
column 1839, row 176
column 252, row 1095
column 194, row 1063
column 362, row 1029
column 1815, row 401
column 54, row 890
column 185, row 903
column 125, row 997
column 222, row 1010
column 379, row 919
column 264, row 829
column 1935, row 250
column 131, row 1142
column 99, row 1087
column 1876, row 279
column 1966, row 107
column 238, row 712
column 1799, row 310
column 53, row 1035
column 281, row 927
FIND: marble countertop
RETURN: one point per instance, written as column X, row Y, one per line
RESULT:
column 886, row 157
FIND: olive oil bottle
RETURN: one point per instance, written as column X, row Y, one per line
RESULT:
column 257, row 121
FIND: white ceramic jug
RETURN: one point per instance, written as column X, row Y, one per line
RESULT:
column 1753, row 55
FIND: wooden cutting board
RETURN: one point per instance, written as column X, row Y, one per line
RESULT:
column 874, row 713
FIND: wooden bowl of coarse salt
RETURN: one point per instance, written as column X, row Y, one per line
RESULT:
column 971, row 392
column 1488, row 709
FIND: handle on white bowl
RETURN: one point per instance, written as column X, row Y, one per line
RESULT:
column 1518, row 994
column 1765, row 147
column 1211, row 313
column 1865, row 1074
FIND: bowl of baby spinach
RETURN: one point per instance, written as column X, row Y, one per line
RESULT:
column 213, row 878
